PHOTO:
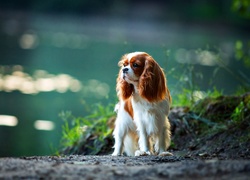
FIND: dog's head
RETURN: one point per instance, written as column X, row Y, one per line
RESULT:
column 141, row 74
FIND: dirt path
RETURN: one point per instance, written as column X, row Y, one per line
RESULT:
column 108, row 167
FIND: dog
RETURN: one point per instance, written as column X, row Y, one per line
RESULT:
column 142, row 126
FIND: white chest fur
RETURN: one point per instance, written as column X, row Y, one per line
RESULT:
column 148, row 116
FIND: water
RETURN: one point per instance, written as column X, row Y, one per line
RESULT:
column 54, row 63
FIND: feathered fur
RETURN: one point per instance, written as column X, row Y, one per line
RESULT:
column 142, row 126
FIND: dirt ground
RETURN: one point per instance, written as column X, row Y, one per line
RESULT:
column 108, row 167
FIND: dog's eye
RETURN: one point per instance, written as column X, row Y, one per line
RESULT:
column 135, row 65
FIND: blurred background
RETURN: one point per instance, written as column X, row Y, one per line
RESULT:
column 61, row 55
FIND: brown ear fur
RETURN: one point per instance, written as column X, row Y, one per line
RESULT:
column 152, row 83
column 124, row 89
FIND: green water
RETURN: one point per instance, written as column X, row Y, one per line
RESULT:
column 87, row 50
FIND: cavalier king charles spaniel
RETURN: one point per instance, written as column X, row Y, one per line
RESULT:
column 142, row 126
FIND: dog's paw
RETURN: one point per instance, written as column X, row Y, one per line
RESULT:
column 165, row 153
column 115, row 154
column 142, row 153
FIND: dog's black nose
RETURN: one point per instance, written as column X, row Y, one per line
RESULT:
column 125, row 70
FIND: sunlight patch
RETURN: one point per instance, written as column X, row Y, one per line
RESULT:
column 44, row 125
column 7, row 120
column 14, row 79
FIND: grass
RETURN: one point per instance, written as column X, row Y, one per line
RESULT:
column 87, row 134
column 92, row 134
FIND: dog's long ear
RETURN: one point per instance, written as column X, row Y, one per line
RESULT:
column 152, row 83
column 123, row 88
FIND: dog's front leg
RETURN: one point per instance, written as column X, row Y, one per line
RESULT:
column 118, row 147
column 143, row 144
column 118, row 134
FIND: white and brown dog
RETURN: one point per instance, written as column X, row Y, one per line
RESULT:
column 142, row 127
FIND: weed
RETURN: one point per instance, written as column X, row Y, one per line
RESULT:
column 238, row 114
column 190, row 90
column 81, row 135
column 214, row 93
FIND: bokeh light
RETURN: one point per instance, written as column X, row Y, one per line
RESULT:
column 44, row 125
column 7, row 120
column 41, row 81
column 29, row 40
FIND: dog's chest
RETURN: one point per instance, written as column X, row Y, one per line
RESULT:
column 141, row 106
